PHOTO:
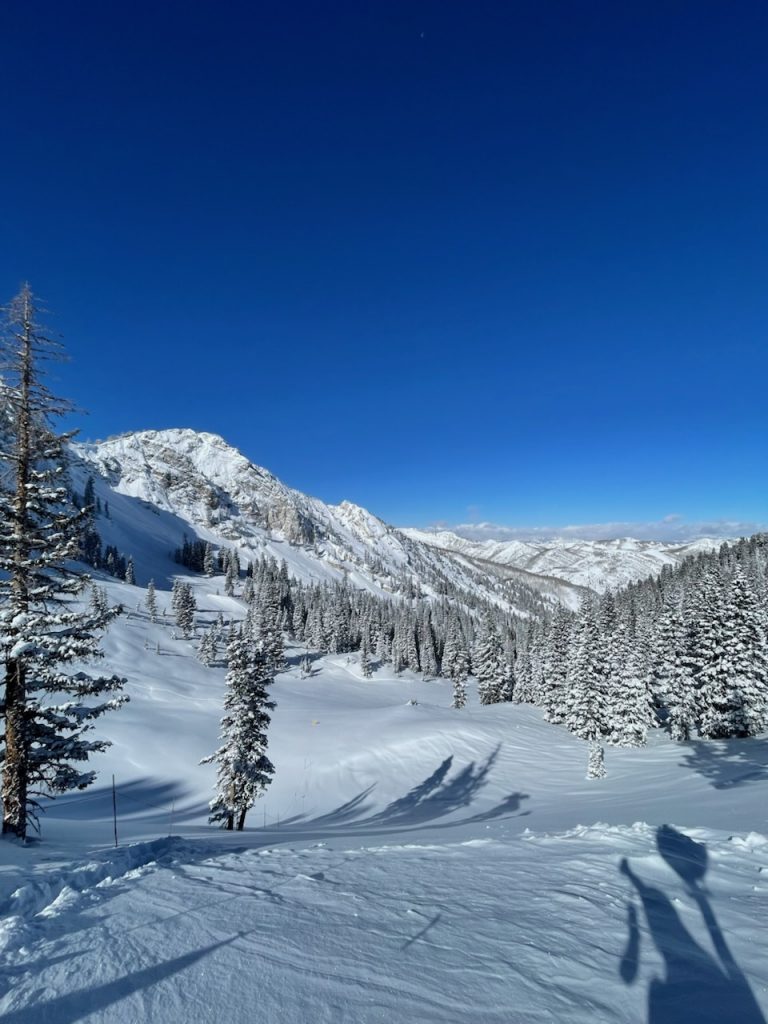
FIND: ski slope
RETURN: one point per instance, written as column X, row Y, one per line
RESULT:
column 409, row 863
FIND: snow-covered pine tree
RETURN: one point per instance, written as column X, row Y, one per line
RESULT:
column 554, row 665
column 410, row 645
column 707, row 657
column 99, row 601
column 209, row 565
column 89, row 497
column 186, row 606
column 231, row 575
column 747, row 647
column 427, row 650
column 587, row 713
column 269, row 633
column 630, row 707
column 44, row 628
column 130, row 573
column 670, row 673
column 522, row 692
column 456, row 661
column 151, row 601
column 491, row 667
column 365, row 656
column 244, row 770
column 207, row 651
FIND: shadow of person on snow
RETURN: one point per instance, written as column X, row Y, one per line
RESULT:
column 697, row 986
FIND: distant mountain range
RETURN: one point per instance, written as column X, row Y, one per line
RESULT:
column 598, row 565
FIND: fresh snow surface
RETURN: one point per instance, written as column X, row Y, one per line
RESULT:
column 410, row 863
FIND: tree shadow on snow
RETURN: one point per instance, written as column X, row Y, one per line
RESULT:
column 437, row 797
column 75, row 1006
column 697, row 985
column 728, row 763
column 140, row 798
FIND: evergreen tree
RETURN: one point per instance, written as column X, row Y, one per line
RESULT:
column 270, row 634
column 427, row 650
column 708, row 660
column 209, row 565
column 491, row 667
column 43, row 630
column 151, row 601
column 455, row 661
column 89, row 497
column 587, row 712
column 672, row 679
column 230, row 577
column 244, row 770
column 630, row 706
column 207, row 652
column 747, row 650
column 555, row 644
column 365, row 657
column 185, row 610
column 130, row 573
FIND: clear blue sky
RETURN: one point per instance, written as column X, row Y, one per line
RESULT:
column 450, row 260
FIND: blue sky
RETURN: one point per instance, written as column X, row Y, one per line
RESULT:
column 453, row 261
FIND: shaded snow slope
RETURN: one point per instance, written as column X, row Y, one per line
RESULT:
column 596, row 564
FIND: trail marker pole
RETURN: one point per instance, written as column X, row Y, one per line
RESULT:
column 114, row 807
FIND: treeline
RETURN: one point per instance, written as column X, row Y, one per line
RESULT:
column 438, row 637
column 687, row 650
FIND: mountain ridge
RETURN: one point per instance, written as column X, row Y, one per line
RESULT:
column 197, row 483
column 597, row 565
column 216, row 492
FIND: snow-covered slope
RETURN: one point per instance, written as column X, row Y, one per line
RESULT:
column 596, row 564
column 163, row 484
column 409, row 863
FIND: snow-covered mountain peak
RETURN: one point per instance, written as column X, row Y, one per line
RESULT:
column 201, row 478
column 207, row 489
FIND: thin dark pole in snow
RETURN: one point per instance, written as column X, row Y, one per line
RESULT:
column 114, row 807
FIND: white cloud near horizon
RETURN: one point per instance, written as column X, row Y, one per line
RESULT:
column 670, row 529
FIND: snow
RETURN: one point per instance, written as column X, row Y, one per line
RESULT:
column 409, row 863
column 165, row 483
column 595, row 564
